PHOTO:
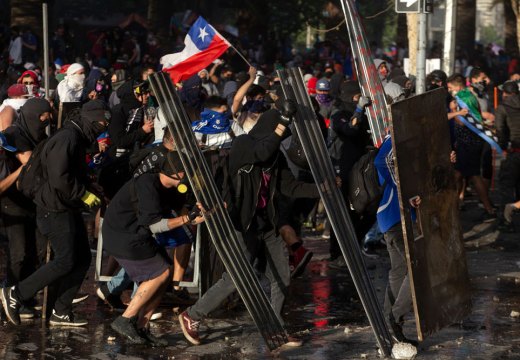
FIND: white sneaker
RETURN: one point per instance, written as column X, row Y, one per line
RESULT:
column 156, row 315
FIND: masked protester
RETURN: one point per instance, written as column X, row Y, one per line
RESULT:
column 60, row 201
column 129, row 237
column 71, row 88
column 256, row 159
column 26, row 246
column 31, row 82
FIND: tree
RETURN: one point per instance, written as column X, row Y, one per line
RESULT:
column 511, row 42
column 515, row 4
column 466, row 25
column 27, row 13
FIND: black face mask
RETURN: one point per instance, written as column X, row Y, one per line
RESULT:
column 480, row 87
column 98, row 128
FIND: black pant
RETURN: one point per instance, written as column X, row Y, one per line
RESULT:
column 69, row 242
column 509, row 179
column 26, row 244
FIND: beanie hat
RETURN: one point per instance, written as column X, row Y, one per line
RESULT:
column 95, row 110
column 74, row 68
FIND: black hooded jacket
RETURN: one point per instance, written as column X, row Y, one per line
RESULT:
column 123, row 134
column 250, row 155
column 507, row 120
column 65, row 169
column 354, row 138
column 25, row 133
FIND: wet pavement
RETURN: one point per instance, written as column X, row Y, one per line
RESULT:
column 323, row 309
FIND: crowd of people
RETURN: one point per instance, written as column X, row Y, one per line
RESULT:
column 102, row 145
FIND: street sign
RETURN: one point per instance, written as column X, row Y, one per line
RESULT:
column 408, row 6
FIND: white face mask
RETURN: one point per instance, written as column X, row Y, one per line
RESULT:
column 30, row 89
column 76, row 81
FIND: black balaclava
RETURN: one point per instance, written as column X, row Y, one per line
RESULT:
column 92, row 113
column 126, row 94
column 29, row 119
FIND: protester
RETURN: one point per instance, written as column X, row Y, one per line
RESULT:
column 468, row 145
column 263, row 172
column 60, row 200
column 9, row 110
column 134, row 215
column 71, row 88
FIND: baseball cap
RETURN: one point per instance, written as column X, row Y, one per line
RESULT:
column 510, row 87
column 17, row 90
column 4, row 145
column 323, row 85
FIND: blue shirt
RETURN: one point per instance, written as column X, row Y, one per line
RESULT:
column 388, row 213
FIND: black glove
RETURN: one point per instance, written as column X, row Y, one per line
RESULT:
column 287, row 111
column 194, row 213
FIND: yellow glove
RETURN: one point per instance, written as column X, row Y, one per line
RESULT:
column 90, row 199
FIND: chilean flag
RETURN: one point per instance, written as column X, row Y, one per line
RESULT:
column 203, row 44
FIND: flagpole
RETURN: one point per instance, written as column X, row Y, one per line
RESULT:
column 240, row 54
column 233, row 47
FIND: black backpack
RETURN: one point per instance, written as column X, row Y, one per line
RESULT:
column 364, row 191
column 32, row 175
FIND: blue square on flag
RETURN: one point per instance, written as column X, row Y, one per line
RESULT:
column 201, row 33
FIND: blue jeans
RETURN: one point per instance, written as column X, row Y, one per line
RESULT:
column 119, row 283
column 373, row 236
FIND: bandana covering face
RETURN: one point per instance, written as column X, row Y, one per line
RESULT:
column 323, row 99
column 254, row 106
column 212, row 122
column 76, row 81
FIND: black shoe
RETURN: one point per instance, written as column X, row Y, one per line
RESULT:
column 397, row 329
column 127, row 328
column 182, row 297
column 506, row 227
column 369, row 252
column 110, row 299
column 151, row 339
column 26, row 312
column 79, row 298
column 11, row 304
column 489, row 217
column 66, row 320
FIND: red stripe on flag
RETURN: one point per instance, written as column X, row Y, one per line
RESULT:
column 198, row 61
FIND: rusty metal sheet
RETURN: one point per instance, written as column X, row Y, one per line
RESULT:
column 435, row 252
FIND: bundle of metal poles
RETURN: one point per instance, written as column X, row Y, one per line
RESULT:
column 368, row 76
column 313, row 144
column 217, row 221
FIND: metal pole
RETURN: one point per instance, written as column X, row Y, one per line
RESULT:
column 309, row 37
column 46, row 48
column 421, row 54
column 450, row 30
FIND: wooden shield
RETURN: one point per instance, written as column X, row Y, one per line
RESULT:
column 434, row 248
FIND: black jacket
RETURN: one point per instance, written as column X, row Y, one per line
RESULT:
column 249, row 156
column 507, row 120
column 125, row 128
column 141, row 202
column 354, row 138
column 65, row 170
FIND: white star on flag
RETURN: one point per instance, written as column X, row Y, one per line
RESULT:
column 203, row 33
